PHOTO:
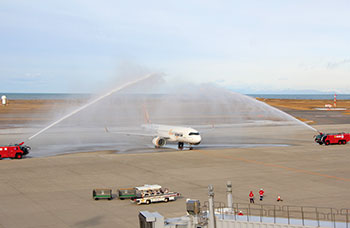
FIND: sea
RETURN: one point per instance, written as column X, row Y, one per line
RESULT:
column 65, row 96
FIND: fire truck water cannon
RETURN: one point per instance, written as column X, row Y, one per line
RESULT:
column 16, row 151
column 332, row 138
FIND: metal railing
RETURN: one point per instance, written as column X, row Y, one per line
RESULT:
column 285, row 214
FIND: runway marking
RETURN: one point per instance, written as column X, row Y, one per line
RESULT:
column 278, row 166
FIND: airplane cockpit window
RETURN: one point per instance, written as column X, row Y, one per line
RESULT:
column 193, row 133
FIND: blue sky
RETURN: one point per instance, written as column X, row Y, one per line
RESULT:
column 247, row 46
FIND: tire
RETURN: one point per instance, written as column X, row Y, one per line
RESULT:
column 340, row 142
column 327, row 143
column 96, row 198
column 148, row 202
column 109, row 198
column 180, row 145
column 166, row 200
column 18, row 156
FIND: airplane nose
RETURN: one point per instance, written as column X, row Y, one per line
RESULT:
column 197, row 140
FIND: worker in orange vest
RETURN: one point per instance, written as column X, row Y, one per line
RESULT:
column 279, row 199
column 251, row 197
column 261, row 193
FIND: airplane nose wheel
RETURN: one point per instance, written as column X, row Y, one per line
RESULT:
column 181, row 145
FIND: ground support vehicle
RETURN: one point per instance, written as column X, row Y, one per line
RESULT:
column 16, row 151
column 102, row 194
column 165, row 197
column 332, row 138
column 148, row 190
column 127, row 193
column 139, row 192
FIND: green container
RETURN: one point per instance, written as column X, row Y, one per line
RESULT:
column 102, row 194
column 126, row 193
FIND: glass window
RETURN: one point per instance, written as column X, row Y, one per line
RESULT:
column 194, row 133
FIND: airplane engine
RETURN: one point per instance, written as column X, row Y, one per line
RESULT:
column 158, row 142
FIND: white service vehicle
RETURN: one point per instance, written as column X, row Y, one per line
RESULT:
column 165, row 197
column 149, row 190
column 154, row 193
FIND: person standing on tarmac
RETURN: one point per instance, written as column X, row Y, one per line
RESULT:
column 279, row 199
column 251, row 197
column 261, row 193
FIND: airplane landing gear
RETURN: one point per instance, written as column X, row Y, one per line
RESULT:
column 181, row 145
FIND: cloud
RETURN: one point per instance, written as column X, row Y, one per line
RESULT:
column 27, row 77
column 333, row 65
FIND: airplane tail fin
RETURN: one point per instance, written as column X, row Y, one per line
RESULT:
column 146, row 115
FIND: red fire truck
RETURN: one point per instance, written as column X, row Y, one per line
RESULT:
column 14, row 151
column 333, row 138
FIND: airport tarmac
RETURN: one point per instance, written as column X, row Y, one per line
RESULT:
column 320, row 116
column 56, row 191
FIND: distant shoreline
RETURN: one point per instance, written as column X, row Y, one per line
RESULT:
column 301, row 96
column 69, row 96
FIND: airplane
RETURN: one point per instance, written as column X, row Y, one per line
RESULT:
column 179, row 134
column 162, row 134
column 167, row 133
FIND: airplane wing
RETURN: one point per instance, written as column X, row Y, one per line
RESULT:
column 138, row 134
column 131, row 133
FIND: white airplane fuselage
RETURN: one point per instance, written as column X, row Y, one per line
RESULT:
column 176, row 133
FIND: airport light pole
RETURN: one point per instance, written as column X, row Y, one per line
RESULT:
column 229, row 195
column 211, row 220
